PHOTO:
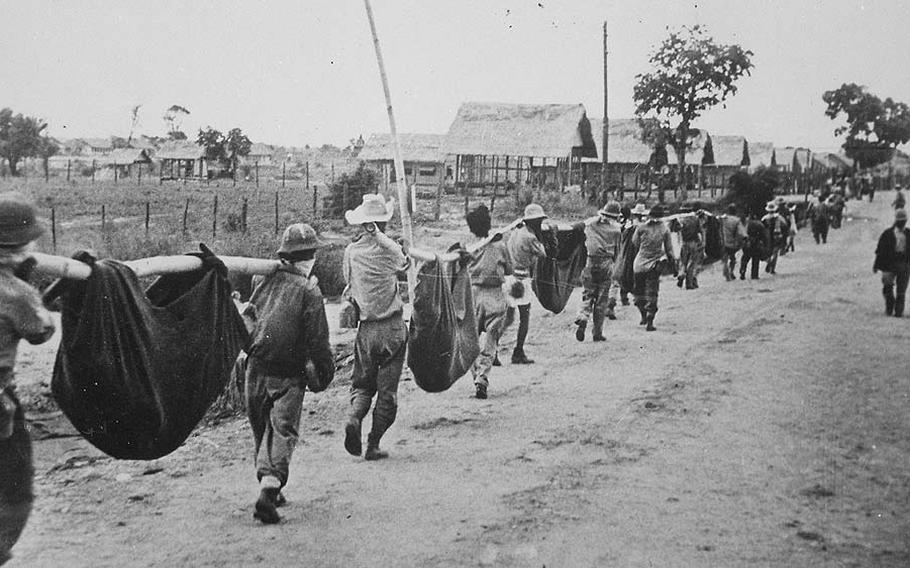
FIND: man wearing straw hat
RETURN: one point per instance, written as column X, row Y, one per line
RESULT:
column 778, row 231
column 525, row 247
column 289, row 351
column 654, row 244
column 371, row 266
column 22, row 316
column 602, row 238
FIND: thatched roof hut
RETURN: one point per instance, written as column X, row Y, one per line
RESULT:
column 730, row 151
column 180, row 150
column 786, row 158
column 698, row 152
column 126, row 156
column 625, row 142
column 414, row 148
column 504, row 129
column 761, row 154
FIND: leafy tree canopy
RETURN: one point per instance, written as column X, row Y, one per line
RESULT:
column 690, row 74
column 874, row 127
column 750, row 192
column 20, row 137
column 173, row 118
column 224, row 148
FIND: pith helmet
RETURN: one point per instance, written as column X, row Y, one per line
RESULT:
column 19, row 224
column 299, row 237
column 611, row 209
column 534, row 211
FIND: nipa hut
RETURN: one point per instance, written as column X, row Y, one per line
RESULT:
column 123, row 160
column 761, row 154
column 731, row 155
column 424, row 166
column 182, row 160
column 495, row 143
column 631, row 163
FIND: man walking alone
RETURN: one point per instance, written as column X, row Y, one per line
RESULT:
column 289, row 351
column 892, row 257
column 654, row 245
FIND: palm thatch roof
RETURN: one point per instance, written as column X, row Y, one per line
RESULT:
column 698, row 152
column 180, row 150
column 414, row 148
column 625, row 142
column 126, row 156
column 761, row 154
column 785, row 157
column 803, row 158
column 730, row 150
column 504, row 129
column 831, row 161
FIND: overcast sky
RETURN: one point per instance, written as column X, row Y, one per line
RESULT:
column 304, row 72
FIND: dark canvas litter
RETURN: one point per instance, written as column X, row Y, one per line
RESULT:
column 16, row 473
column 137, row 370
column 442, row 343
column 560, row 273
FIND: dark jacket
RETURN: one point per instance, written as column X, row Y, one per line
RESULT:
column 757, row 239
column 886, row 258
column 291, row 327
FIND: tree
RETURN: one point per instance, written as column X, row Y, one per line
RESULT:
column 173, row 117
column 751, row 192
column 874, row 127
column 134, row 120
column 236, row 144
column 20, row 137
column 691, row 74
column 213, row 142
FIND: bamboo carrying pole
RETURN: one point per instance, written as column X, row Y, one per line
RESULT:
column 427, row 256
column 400, row 180
column 62, row 267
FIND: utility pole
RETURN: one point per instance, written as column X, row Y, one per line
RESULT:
column 606, row 122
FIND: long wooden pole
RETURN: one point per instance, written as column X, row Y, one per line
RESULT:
column 400, row 179
column 605, row 144
column 62, row 267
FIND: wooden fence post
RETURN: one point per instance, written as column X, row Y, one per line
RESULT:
column 47, row 174
column 147, row 217
column 186, row 212
column 308, row 179
column 54, row 228
column 284, row 171
column 103, row 217
column 67, row 171
column 115, row 173
column 139, row 179
column 315, row 194
column 243, row 216
column 276, row 212
column 93, row 172
column 215, row 217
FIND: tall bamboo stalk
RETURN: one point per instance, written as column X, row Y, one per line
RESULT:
column 400, row 179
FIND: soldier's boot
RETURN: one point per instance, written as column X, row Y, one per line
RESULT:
column 611, row 309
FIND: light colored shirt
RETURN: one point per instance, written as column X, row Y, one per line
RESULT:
column 22, row 316
column 602, row 240
column 525, row 248
column 900, row 241
column 490, row 265
column 371, row 265
column 654, row 244
column 732, row 231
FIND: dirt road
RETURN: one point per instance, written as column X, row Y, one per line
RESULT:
column 763, row 424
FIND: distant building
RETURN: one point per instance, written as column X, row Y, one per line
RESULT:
column 730, row 155
column 424, row 165
column 632, row 164
column 259, row 154
column 539, row 144
column 761, row 154
column 182, row 160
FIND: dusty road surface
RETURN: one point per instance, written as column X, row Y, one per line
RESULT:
column 764, row 424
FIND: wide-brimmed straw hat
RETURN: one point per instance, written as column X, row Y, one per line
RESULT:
column 19, row 223
column 771, row 207
column 533, row 211
column 299, row 237
column 639, row 209
column 374, row 209
column 611, row 209
column 900, row 215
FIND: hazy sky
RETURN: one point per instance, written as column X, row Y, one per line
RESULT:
column 304, row 72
